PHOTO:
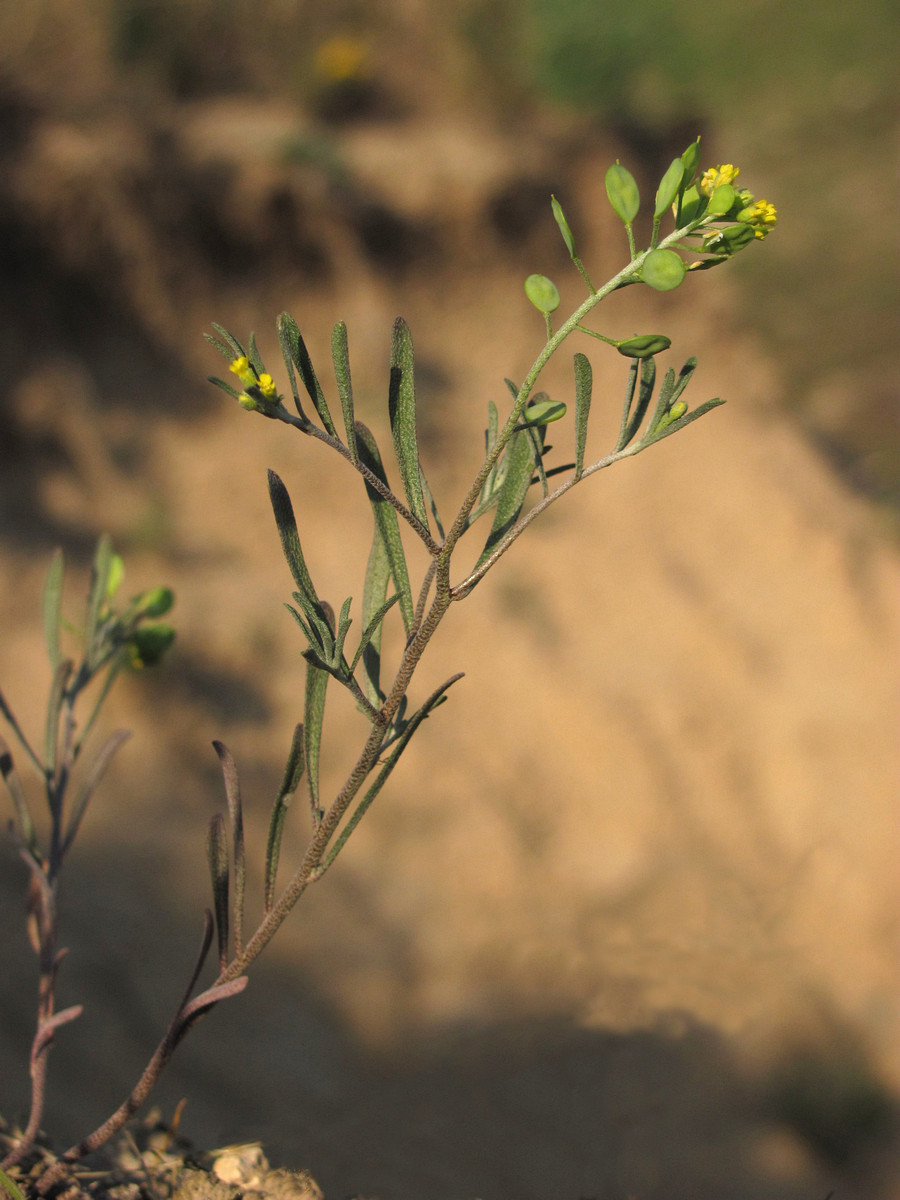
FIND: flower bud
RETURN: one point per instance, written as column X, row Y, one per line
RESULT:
column 623, row 192
column 542, row 293
column 663, row 270
column 644, row 345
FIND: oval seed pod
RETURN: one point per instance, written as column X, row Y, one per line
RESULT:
column 542, row 293
column 560, row 217
column 691, row 160
column 663, row 270
column 156, row 602
column 645, row 345
column 543, row 412
column 623, row 192
column 668, row 187
column 722, row 200
column 736, row 237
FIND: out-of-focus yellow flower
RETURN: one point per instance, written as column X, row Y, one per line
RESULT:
column 726, row 173
column 340, row 58
column 762, row 215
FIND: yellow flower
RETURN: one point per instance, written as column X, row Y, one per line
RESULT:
column 341, row 58
column 245, row 373
column 762, row 215
column 727, row 173
column 267, row 386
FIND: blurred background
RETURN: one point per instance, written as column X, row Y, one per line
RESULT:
column 625, row 923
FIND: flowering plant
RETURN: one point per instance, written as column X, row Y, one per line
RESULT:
column 516, row 482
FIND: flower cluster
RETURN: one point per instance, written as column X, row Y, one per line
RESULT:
column 260, row 394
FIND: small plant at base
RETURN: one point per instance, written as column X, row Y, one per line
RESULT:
column 713, row 221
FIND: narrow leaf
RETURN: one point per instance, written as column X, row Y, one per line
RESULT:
column 236, row 823
column 96, row 599
column 53, row 606
column 10, row 1186
column 520, row 461
column 429, row 500
column 290, row 542
column 626, row 406
column 273, row 848
column 205, row 943
column 645, row 393
column 234, row 346
column 583, row 386
column 673, row 426
column 340, row 354
column 17, row 794
column 372, row 629
column 670, row 394
column 314, row 718
column 253, row 356
column 293, row 773
column 294, row 767
column 402, row 409
column 61, row 677
column 296, row 348
column 91, row 782
column 226, row 387
column 378, row 574
column 217, row 855
column 386, row 523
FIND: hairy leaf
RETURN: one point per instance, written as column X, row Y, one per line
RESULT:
column 583, row 386
column 217, row 855
column 402, row 409
column 295, row 350
column 340, row 353
column 52, row 606
column 386, row 523
column 519, row 459
column 236, row 823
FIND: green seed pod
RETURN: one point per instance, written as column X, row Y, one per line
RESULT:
column 736, row 237
column 678, row 409
column 645, row 345
column 544, row 412
column 663, row 270
column 668, row 188
column 560, row 217
column 722, row 200
column 149, row 645
column 542, row 293
column 156, row 602
column 691, row 160
column 693, row 205
column 623, row 192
